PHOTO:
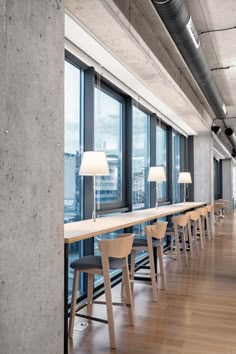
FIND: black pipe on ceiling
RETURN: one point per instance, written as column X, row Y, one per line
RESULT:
column 177, row 20
column 231, row 136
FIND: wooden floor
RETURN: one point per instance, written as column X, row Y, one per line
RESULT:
column 196, row 314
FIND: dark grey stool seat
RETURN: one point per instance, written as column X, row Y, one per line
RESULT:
column 95, row 262
column 142, row 242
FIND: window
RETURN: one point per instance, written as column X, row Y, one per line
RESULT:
column 161, row 156
column 72, row 152
column 140, row 159
column 72, row 158
column 108, row 138
column 217, row 180
column 175, row 166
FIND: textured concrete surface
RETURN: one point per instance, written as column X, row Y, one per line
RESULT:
column 227, row 183
column 203, row 168
column 31, row 176
column 133, row 38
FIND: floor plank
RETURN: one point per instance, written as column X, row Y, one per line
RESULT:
column 196, row 314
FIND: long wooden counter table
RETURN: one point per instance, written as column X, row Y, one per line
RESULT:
column 81, row 230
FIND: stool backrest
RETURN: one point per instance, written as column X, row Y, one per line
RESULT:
column 210, row 208
column 203, row 211
column 157, row 230
column 117, row 248
column 218, row 207
column 180, row 220
column 193, row 215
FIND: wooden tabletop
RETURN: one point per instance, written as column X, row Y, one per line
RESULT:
column 84, row 229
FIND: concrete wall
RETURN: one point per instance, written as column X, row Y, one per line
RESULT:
column 227, row 183
column 203, row 168
column 31, row 176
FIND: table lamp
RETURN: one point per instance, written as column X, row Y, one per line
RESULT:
column 94, row 163
column 157, row 174
column 185, row 178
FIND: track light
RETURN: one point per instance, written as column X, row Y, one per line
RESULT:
column 233, row 153
column 216, row 129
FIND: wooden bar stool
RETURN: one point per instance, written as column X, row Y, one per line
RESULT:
column 210, row 209
column 224, row 204
column 154, row 234
column 181, row 228
column 218, row 207
column 114, row 255
column 195, row 224
column 205, row 217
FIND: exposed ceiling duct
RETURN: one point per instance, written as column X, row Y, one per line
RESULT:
column 231, row 136
column 177, row 19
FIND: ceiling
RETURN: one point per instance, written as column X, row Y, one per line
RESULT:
column 135, row 35
column 219, row 47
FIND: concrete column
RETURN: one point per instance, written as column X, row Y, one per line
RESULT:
column 227, row 183
column 31, row 176
column 203, row 168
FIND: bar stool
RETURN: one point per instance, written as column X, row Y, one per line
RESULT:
column 195, row 224
column 210, row 209
column 205, row 217
column 154, row 234
column 224, row 206
column 181, row 228
column 114, row 255
column 218, row 207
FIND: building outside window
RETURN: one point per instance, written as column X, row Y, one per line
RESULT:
column 161, row 156
column 175, row 166
column 140, row 159
column 108, row 138
column 72, row 157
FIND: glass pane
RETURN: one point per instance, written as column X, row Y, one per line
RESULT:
column 75, row 252
column 108, row 138
column 161, row 156
column 72, row 158
column 72, row 153
column 139, row 231
column 175, row 166
column 140, row 159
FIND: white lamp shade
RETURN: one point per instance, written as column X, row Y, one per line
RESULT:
column 184, row 177
column 94, row 163
column 156, row 174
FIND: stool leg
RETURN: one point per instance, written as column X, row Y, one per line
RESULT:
column 73, row 303
column 208, row 227
column 195, row 235
column 178, row 256
column 171, row 245
column 152, row 269
column 90, row 293
column 128, row 294
column 201, row 231
column 107, row 285
column 132, row 268
column 162, row 273
column 184, row 244
column 190, row 239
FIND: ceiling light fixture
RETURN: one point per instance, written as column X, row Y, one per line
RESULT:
column 193, row 33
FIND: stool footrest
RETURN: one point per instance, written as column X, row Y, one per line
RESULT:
column 114, row 303
column 91, row 318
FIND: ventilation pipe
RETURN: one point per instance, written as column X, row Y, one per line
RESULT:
column 231, row 136
column 176, row 18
